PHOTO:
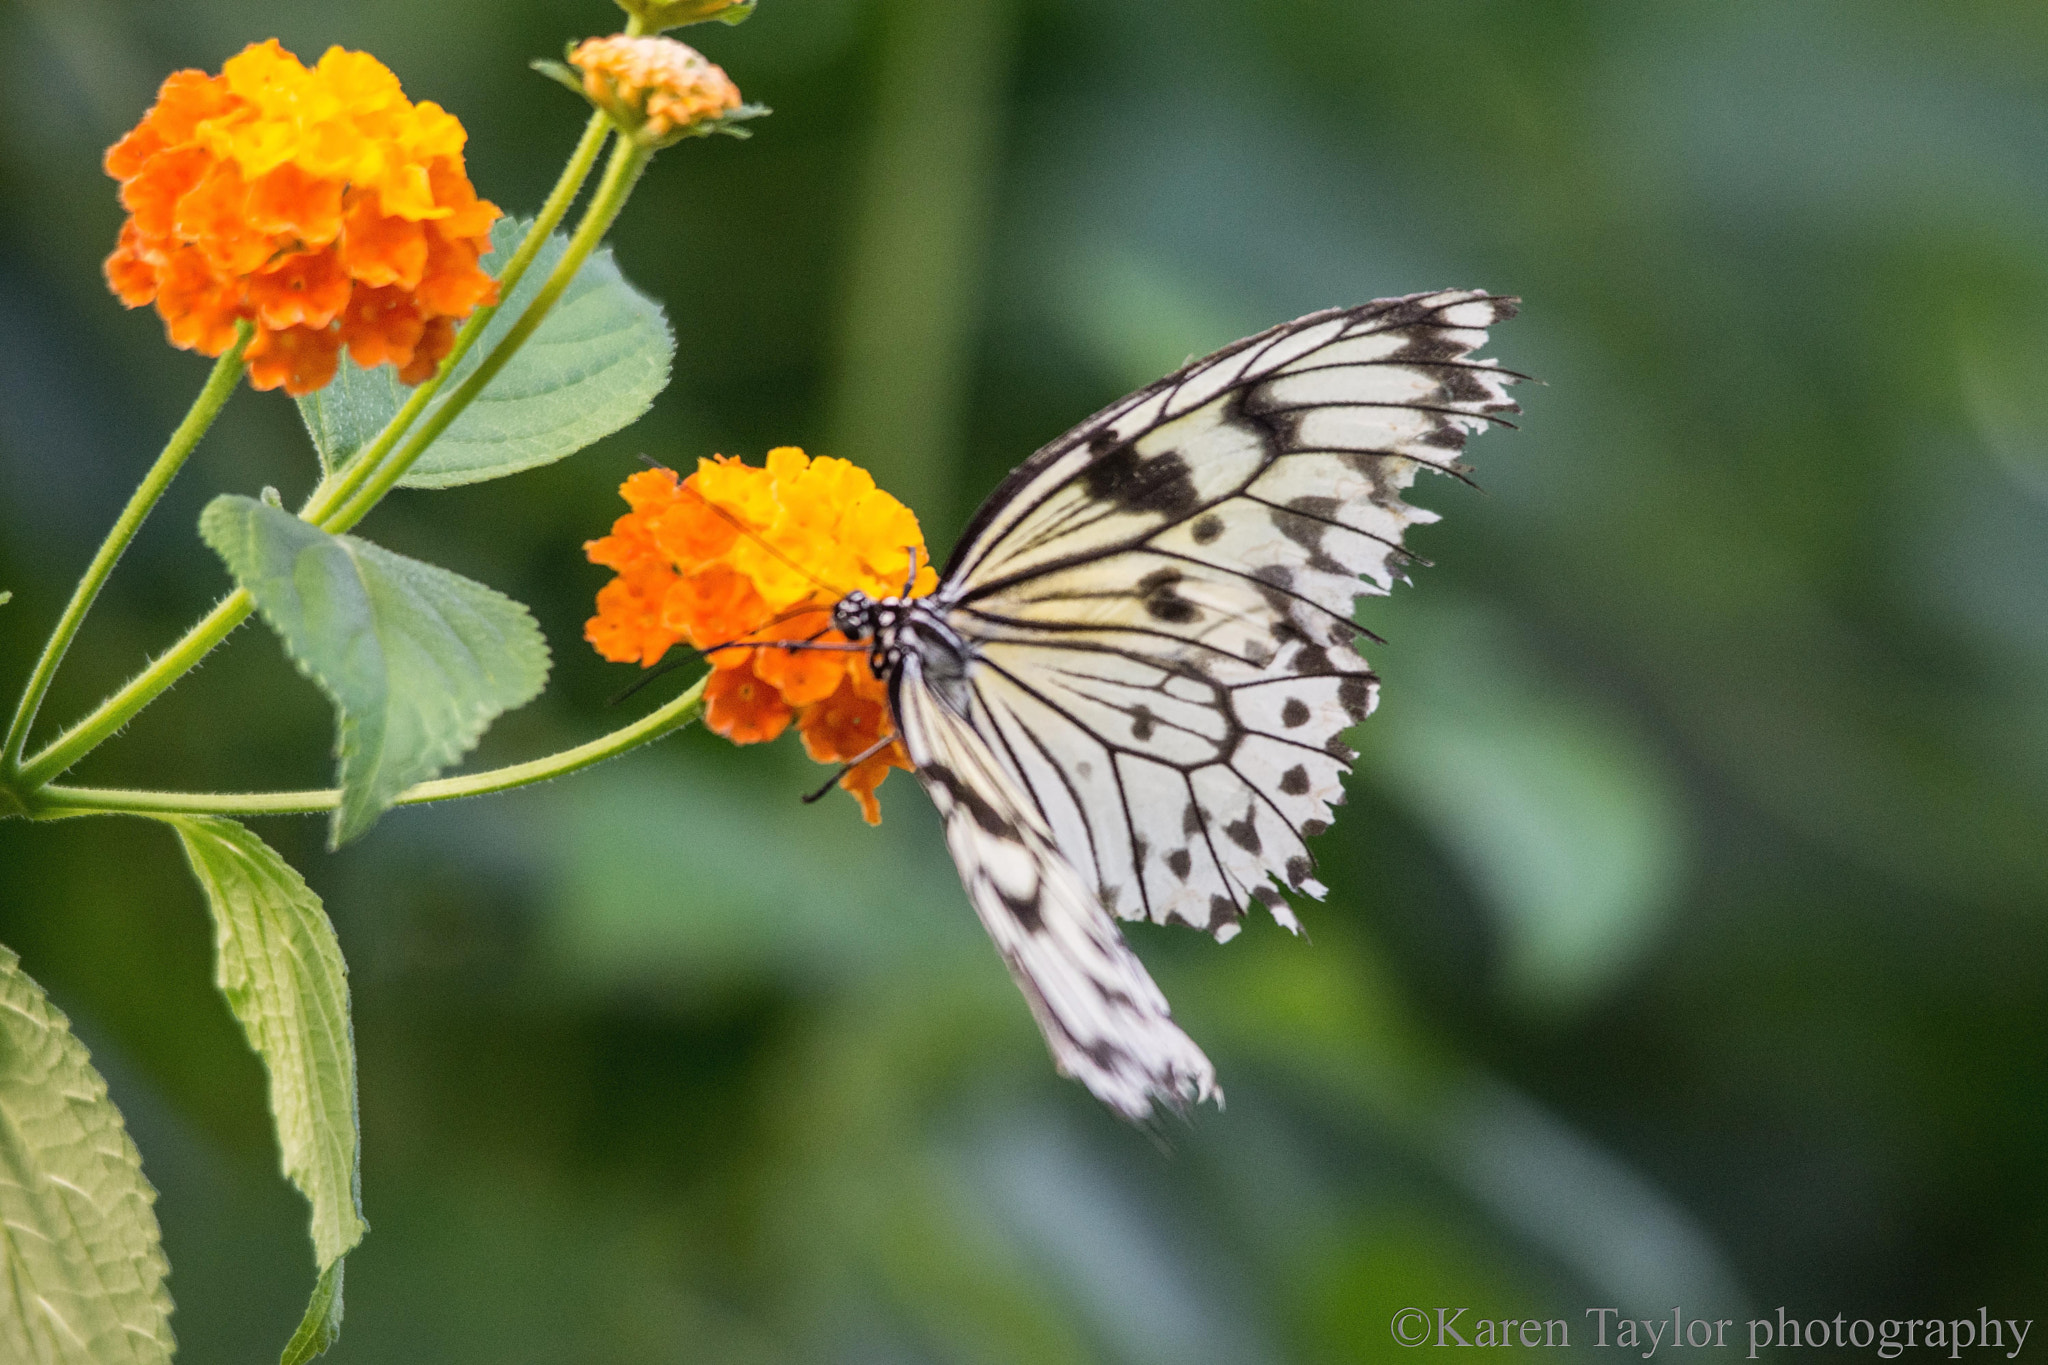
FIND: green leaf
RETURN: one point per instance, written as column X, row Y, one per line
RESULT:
column 282, row 973
column 322, row 1323
column 81, row 1264
column 417, row 660
column 593, row 365
column 348, row 413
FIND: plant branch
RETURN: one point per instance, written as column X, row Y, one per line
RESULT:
column 342, row 500
column 116, row 711
column 227, row 372
column 58, row 803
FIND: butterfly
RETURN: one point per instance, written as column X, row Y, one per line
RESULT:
column 1126, row 694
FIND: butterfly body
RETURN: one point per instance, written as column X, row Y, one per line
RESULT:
column 900, row 628
column 1126, row 693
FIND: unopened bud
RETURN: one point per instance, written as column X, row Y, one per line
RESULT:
column 657, row 89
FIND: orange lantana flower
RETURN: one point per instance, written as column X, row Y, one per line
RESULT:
column 320, row 204
column 735, row 560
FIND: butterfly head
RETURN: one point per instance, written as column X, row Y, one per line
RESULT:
column 854, row 617
column 882, row 622
column 860, row 617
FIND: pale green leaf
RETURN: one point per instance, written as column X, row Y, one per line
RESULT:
column 322, row 1323
column 81, row 1266
column 593, row 365
column 417, row 660
column 347, row 414
column 282, row 973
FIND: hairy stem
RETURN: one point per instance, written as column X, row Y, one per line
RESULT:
column 116, row 711
column 227, row 372
column 57, row 803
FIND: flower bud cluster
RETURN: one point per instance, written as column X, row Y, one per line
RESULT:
column 658, row 89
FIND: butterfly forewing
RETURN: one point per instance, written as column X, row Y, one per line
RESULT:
column 1155, row 611
column 1389, row 377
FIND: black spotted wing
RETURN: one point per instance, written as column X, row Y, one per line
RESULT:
column 1105, row 1020
column 1159, row 609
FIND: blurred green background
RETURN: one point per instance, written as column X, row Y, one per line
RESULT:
column 1690, row 912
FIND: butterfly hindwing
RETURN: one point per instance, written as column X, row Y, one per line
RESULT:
column 1160, row 601
column 1103, row 1017
column 1160, row 782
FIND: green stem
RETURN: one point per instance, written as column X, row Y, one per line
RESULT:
column 368, row 482
column 116, row 711
column 333, row 492
column 227, row 372
column 628, row 160
column 57, row 803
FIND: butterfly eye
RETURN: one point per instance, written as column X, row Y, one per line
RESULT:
column 853, row 617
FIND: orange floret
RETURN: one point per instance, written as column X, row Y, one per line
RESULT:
column 300, row 358
column 746, row 564
column 714, row 605
column 804, row 676
column 300, row 199
column 744, row 709
column 382, row 325
column 303, row 289
column 846, row 725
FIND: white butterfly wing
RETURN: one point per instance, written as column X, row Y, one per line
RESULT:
column 1106, row 1022
column 1160, row 604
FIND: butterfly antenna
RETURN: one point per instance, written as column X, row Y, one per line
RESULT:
column 801, row 609
column 910, row 579
column 670, row 665
column 665, row 666
column 819, row 795
column 809, row 643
